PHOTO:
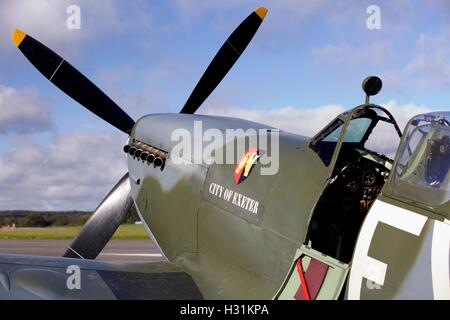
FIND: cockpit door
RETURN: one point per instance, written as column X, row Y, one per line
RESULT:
column 313, row 276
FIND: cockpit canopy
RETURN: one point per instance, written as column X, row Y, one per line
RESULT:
column 421, row 172
column 370, row 128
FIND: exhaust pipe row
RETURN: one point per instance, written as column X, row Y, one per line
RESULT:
column 146, row 153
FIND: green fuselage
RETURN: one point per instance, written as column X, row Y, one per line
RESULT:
column 231, row 251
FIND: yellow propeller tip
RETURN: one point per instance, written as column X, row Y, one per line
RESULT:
column 261, row 12
column 18, row 36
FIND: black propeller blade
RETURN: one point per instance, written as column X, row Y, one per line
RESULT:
column 71, row 81
column 224, row 60
column 101, row 226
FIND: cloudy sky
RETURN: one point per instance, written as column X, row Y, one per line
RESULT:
column 304, row 66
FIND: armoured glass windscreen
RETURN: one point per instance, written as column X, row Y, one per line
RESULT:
column 357, row 129
column 421, row 172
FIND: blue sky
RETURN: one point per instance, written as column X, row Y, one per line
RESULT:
column 304, row 65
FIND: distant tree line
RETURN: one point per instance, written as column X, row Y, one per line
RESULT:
column 51, row 219
column 36, row 219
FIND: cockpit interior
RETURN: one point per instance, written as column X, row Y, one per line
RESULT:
column 357, row 176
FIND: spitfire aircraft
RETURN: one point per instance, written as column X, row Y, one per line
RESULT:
column 337, row 220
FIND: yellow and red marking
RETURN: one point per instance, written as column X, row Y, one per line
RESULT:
column 245, row 164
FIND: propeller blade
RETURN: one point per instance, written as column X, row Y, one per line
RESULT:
column 71, row 81
column 101, row 226
column 224, row 60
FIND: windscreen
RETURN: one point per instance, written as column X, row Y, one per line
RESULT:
column 370, row 128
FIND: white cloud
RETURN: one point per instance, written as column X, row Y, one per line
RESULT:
column 46, row 21
column 296, row 120
column 404, row 112
column 74, row 172
column 21, row 111
column 309, row 121
column 384, row 138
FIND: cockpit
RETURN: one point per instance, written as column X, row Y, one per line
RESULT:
column 357, row 150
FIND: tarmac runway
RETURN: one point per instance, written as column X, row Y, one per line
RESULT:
column 115, row 250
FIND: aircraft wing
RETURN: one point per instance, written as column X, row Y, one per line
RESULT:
column 33, row 277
